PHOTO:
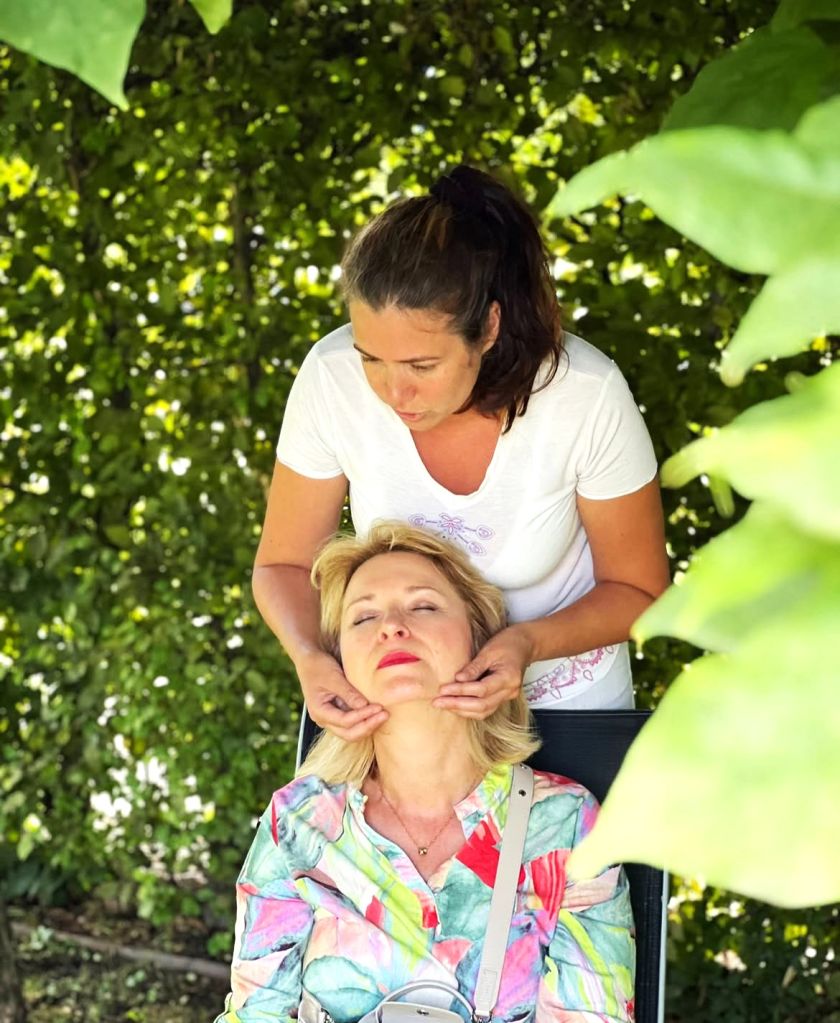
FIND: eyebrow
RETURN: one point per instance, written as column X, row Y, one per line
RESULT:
column 409, row 589
column 417, row 358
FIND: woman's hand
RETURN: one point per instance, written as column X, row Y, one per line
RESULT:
column 333, row 703
column 491, row 677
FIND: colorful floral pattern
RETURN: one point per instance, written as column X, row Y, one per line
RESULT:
column 327, row 904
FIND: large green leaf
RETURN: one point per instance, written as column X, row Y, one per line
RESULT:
column 214, row 13
column 91, row 38
column 752, row 85
column 794, row 307
column 791, row 13
column 784, row 451
column 741, row 580
column 818, row 129
column 758, row 200
column 735, row 777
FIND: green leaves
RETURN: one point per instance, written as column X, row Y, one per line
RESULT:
column 758, row 200
column 739, row 768
column 734, row 778
column 796, row 305
column 759, row 589
column 791, row 13
column 740, row 764
column 780, row 451
column 91, row 38
column 214, row 13
column 751, row 86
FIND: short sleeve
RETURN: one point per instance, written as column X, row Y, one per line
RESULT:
column 615, row 455
column 306, row 442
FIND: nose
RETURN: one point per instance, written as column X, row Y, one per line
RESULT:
column 399, row 391
column 392, row 625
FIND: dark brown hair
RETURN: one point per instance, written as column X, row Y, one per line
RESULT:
column 467, row 244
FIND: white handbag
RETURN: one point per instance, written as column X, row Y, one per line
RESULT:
column 489, row 980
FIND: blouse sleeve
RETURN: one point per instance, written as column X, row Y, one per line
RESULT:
column 615, row 455
column 273, row 924
column 589, row 968
column 306, row 442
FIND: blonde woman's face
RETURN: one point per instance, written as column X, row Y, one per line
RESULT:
column 405, row 630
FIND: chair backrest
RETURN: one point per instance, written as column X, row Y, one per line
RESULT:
column 589, row 746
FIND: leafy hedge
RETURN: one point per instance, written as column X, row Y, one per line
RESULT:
column 164, row 272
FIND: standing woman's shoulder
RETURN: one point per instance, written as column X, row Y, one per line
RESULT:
column 335, row 346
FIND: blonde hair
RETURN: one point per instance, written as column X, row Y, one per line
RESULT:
column 505, row 737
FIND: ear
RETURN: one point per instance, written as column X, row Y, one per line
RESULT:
column 492, row 327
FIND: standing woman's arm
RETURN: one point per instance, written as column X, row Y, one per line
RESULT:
column 301, row 514
column 627, row 539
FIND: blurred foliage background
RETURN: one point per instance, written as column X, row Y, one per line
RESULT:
column 163, row 270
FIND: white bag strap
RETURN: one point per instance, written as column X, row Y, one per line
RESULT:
column 504, row 893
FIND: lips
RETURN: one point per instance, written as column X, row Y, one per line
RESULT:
column 397, row 657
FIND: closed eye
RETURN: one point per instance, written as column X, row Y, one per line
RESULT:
column 424, row 607
column 365, row 616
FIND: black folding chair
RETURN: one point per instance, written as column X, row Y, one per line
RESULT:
column 589, row 746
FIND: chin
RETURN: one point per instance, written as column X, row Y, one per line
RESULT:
column 406, row 692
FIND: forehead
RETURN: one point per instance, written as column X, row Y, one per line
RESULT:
column 403, row 334
column 396, row 571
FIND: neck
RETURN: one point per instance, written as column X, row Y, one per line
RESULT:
column 422, row 758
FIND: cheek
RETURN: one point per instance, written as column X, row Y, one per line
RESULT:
column 374, row 383
column 346, row 652
column 457, row 645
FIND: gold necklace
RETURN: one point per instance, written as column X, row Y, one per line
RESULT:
column 422, row 850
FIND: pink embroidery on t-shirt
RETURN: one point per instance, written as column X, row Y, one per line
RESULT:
column 454, row 528
column 569, row 672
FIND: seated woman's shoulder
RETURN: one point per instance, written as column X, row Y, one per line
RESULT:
column 557, row 786
column 562, row 807
column 308, row 804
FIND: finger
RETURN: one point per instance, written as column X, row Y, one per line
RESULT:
column 468, row 707
column 328, row 715
column 347, row 693
column 363, row 729
column 473, row 671
column 471, row 704
column 470, row 689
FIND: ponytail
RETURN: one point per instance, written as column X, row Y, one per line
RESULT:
column 468, row 243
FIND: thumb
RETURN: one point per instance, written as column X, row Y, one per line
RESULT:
column 348, row 693
column 472, row 671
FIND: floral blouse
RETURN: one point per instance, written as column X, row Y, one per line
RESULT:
column 326, row 903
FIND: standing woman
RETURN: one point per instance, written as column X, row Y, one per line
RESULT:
column 454, row 401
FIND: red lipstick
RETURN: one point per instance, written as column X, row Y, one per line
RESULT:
column 397, row 657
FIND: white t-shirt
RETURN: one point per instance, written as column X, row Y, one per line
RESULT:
column 582, row 434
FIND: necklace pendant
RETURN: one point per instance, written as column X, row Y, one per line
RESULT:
column 422, row 850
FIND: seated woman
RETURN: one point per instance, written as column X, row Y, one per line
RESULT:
column 375, row 866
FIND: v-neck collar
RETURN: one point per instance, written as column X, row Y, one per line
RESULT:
column 486, row 799
column 443, row 494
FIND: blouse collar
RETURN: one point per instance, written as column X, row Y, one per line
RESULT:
column 486, row 798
